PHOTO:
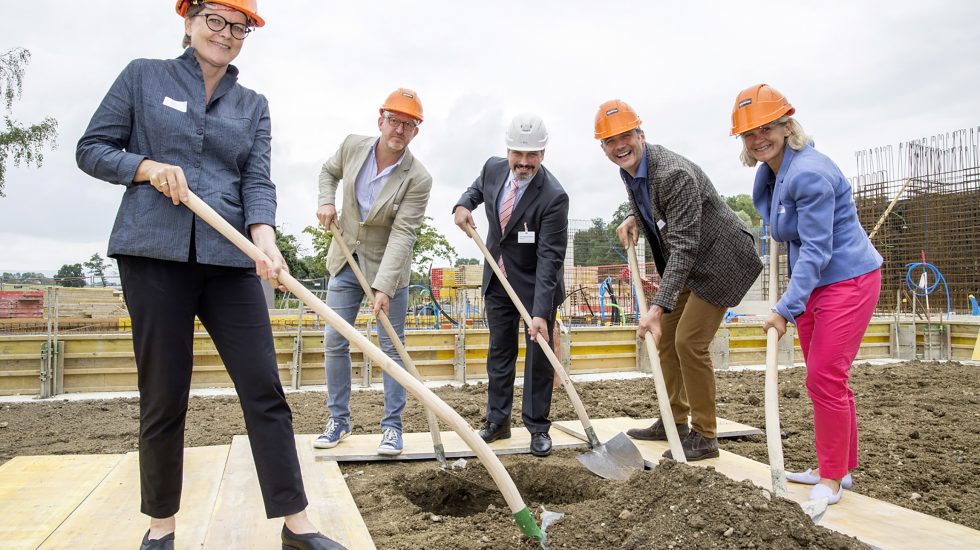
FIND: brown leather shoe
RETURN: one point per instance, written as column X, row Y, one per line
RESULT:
column 657, row 432
column 697, row 447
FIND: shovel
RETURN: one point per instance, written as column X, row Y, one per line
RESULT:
column 666, row 415
column 813, row 508
column 522, row 515
column 619, row 457
column 399, row 347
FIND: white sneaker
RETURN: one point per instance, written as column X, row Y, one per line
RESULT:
column 334, row 433
column 810, row 478
column 820, row 491
column 391, row 442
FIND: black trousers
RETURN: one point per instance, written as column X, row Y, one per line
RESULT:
column 503, row 320
column 163, row 297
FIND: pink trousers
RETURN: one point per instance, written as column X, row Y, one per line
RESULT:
column 830, row 331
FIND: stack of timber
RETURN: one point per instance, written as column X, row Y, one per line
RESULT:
column 91, row 303
column 21, row 304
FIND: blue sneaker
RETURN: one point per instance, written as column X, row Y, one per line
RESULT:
column 333, row 434
column 391, row 442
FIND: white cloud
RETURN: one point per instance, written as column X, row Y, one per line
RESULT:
column 861, row 74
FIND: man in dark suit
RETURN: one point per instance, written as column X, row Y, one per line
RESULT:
column 706, row 258
column 527, row 210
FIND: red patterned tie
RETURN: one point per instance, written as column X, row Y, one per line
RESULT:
column 506, row 209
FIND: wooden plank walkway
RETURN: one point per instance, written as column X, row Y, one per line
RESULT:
column 878, row 523
column 92, row 501
column 418, row 446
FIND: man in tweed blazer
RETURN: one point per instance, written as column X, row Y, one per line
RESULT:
column 385, row 194
column 706, row 259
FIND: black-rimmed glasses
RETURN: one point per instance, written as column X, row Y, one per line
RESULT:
column 407, row 125
column 217, row 24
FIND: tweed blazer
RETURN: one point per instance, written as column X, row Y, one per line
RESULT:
column 534, row 269
column 707, row 247
column 383, row 242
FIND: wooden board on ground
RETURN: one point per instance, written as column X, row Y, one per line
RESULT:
column 874, row 522
column 37, row 493
column 726, row 428
column 110, row 517
column 239, row 519
column 418, row 446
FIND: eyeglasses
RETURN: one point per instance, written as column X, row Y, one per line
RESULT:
column 217, row 24
column 407, row 125
column 764, row 131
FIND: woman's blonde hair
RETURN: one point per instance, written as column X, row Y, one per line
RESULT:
column 797, row 139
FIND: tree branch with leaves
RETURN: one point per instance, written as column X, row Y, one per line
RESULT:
column 19, row 143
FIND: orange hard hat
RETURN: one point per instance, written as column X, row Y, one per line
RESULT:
column 614, row 118
column 403, row 101
column 758, row 105
column 248, row 7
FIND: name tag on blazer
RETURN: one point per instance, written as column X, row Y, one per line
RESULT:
column 781, row 209
column 174, row 104
column 661, row 223
column 525, row 237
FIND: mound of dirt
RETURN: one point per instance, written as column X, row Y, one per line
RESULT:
column 417, row 505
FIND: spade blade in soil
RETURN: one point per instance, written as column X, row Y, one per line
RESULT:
column 617, row 459
column 815, row 508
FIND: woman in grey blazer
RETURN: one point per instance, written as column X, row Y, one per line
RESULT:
column 166, row 127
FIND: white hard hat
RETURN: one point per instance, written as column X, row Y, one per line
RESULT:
column 527, row 133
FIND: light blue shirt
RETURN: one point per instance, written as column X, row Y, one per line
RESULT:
column 369, row 181
column 521, row 188
column 809, row 206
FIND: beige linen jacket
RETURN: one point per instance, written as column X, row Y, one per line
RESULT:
column 383, row 242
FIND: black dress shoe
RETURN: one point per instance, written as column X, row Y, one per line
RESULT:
column 165, row 543
column 697, row 447
column 308, row 541
column 657, row 432
column 540, row 444
column 492, row 431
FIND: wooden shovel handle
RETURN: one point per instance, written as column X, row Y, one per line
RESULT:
column 583, row 416
column 416, row 388
column 666, row 414
column 774, row 440
column 393, row 337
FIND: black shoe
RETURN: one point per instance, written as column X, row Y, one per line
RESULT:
column 697, row 447
column 540, row 444
column 308, row 541
column 165, row 543
column 656, row 432
column 492, row 431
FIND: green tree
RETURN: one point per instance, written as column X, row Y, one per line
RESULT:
column 467, row 261
column 317, row 263
column 70, row 275
column 96, row 267
column 743, row 203
column 23, row 144
column 430, row 245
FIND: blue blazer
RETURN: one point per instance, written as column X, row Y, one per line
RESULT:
column 809, row 206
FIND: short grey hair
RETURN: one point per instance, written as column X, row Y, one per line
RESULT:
column 796, row 140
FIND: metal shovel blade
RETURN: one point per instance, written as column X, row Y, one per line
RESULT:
column 617, row 459
column 815, row 509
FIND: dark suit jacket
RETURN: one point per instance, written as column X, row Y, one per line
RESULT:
column 534, row 270
column 708, row 248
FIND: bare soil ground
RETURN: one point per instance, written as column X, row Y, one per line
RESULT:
column 919, row 429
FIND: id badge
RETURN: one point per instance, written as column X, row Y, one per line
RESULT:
column 661, row 223
column 525, row 237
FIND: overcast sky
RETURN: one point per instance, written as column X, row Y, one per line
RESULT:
column 860, row 74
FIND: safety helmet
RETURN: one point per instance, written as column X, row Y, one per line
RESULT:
column 248, row 7
column 758, row 105
column 614, row 118
column 526, row 133
column 403, row 101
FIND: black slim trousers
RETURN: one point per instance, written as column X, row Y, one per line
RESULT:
column 504, row 322
column 163, row 297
